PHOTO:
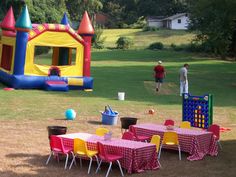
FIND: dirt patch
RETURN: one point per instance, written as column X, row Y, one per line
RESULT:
column 167, row 88
column 25, row 148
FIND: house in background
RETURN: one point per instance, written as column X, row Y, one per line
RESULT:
column 155, row 21
column 178, row 21
column 101, row 19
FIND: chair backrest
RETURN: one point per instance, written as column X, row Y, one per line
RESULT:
column 156, row 139
column 128, row 136
column 215, row 129
column 170, row 138
column 185, row 124
column 80, row 146
column 102, row 151
column 169, row 122
column 56, row 143
column 101, row 131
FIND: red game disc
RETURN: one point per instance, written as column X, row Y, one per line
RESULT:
column 8, row 89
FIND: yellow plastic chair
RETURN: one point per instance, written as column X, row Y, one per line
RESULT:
column 156, row 139
column 170, row 139
column 101, row 131
column 185, row 124
column 81, row 150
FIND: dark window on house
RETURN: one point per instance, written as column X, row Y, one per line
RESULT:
column 7, row 53
column 179, row 20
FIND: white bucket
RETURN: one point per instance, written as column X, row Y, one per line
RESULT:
column 121, row 96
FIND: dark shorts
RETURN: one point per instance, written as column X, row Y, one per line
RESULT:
column 159, row 80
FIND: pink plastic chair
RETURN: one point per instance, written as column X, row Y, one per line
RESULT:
column 110, row 158
column 128, row 136
column 215, row 129
column 169, row 122
column 57, row 148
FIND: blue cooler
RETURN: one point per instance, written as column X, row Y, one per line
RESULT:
column 110, row 119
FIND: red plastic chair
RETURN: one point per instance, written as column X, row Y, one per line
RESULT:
column 110, row 158
column 215, row 129
column 57, row 148
column 128, row 136
column 169, row 122
column 140, row 137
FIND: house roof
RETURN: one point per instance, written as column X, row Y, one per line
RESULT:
column 155, row 18
column 175, row 16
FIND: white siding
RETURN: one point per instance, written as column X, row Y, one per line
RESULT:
column 157, row 24
column 182, row 25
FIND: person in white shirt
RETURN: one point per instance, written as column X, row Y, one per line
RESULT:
column 183, row 77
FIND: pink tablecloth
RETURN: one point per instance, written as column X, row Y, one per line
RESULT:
column 137, row 156
column 197, row 143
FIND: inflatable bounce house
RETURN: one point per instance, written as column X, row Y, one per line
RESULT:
column 66, row 71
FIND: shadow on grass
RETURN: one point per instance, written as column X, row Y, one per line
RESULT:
column 144, row 56
column 136, row 79
column 60, row 119
column 138, row 84
column 33, row 165
column 95, row 122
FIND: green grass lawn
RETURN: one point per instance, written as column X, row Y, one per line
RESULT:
column 131, row 72
column 143, row 39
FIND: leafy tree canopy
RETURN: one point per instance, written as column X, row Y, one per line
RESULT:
column 215, row 22
column 49, row 11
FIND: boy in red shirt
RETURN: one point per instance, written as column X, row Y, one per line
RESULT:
column 159, row 75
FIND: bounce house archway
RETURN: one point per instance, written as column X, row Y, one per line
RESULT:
column 54, row 71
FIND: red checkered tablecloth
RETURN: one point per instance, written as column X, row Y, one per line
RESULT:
column 197, row 143
column 137, row 156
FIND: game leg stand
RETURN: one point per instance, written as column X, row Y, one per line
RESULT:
column 198, row 110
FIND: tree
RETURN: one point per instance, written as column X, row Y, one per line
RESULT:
column 44, row 11
column 114, row 11
column 161, row 8
column 41, row 11
column 76, row 8
column 214, row 21
column 6, row 4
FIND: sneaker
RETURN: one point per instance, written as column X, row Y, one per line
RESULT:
column 157, row 89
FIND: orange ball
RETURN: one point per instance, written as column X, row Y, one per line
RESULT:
column 151, row 111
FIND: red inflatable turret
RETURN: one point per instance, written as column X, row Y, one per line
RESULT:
column 8, row 24
column 86, row 30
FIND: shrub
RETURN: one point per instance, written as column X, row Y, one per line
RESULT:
column 150, row 28
column 98, row 40
column 193, row 47
column 178, row 47
column 156, row 45
column 173, row 46
column 140, row 23
column 124, row 43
